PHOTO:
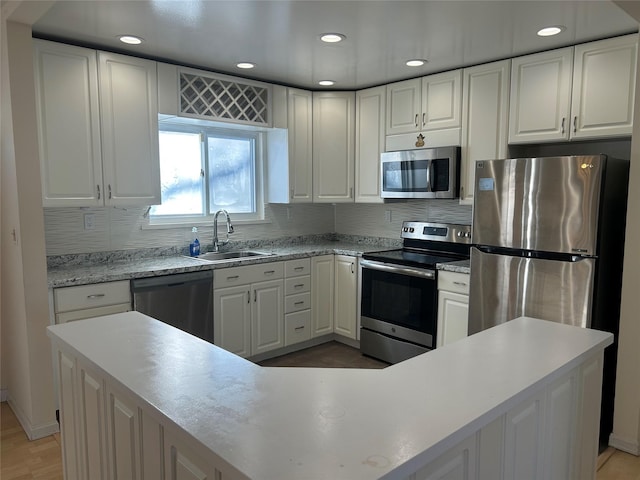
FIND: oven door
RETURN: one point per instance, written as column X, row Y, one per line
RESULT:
column 400, row 302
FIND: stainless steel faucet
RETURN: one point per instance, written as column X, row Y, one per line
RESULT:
column 216, row 242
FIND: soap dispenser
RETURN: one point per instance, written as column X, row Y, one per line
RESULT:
column 194, row 246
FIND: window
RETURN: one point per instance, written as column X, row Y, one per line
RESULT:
column 205, row 169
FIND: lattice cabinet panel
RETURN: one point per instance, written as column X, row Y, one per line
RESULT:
column 223, row 99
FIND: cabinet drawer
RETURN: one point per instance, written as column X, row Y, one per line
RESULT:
column 297, row 285
column 295, row 303
column 453, row 282
column 294, row 268
column 92, row 312
column 91, row 296
column 228, row 277
column 297, row 327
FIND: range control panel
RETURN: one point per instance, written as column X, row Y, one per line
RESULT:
column 444, row 232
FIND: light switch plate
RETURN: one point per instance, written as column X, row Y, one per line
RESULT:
column 89, row 221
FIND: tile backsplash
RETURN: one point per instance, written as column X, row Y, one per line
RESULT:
column 123, row 228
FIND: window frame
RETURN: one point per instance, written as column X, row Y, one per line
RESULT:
column 205, row 130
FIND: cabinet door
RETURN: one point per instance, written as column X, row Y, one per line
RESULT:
column 346, row 296
column 453, row 313
column 66, row 79
column 300, row 139
column 441, row 100
column 232, row 319
column 524, row 427
column 92, row 412
column 404, row 107
column 604, row 79
column 322, row 288
column 485, row 110
column 267, row 316
column 540, row 97
column 70, row 421
column 370, row 139
column 129, row 109
column 333, row 146
column 459, row 463
column 124, row 440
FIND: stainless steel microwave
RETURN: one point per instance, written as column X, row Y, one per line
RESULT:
column 423, row 173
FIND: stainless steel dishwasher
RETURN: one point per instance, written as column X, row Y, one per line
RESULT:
column 184, row 300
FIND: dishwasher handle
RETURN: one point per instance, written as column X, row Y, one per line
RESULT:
column 168, row 281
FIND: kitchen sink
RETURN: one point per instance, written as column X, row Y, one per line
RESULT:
column 218, row 256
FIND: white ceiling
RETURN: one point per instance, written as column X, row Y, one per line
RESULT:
column 281, row 37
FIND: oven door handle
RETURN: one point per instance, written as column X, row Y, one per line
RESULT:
column 400, row 269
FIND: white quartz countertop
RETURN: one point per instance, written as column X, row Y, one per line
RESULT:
column 302, row 423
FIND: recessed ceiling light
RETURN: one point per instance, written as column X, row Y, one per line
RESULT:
column 332, row 37
column 326, row 83
column 416, row 62
column 130, row 39
column 550, row 31
column 245, row 65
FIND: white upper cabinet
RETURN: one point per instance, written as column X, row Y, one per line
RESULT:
column 578, row 92
column 485, row 109
column 129, row 110
column 289, row 147
column 404, row 106
column 604, row 79
column 333, row 146
column 540, row 96
column 97, row 127
column 370, row 138
column 424, row 112
column 66, row 79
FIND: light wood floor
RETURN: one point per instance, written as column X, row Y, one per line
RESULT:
column 21, row 459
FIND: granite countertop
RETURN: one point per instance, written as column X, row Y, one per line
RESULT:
column 130, row 268
column 323, row 422
column 462, row 266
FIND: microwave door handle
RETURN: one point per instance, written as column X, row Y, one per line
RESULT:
column 430, row 175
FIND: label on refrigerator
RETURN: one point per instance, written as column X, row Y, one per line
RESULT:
column 485, row 184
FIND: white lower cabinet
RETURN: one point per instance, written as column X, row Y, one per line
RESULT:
column 86, row 301
column 249, row 316
column 297, row 301
column 322, row 298
column 453, row 307
column 346, row 296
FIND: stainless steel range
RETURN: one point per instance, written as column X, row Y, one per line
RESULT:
column 399, row 290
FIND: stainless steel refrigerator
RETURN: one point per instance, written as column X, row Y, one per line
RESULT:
column 548, row 238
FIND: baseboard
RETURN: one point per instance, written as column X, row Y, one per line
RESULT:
column 347, row 341
column 625, row 444
column 33, row 432
column 4, row 394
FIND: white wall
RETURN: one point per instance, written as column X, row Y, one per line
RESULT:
column 626, row 420
column 26, row 352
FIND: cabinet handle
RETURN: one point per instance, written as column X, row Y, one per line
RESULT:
column 95, row 295
column 255, row 295
column 299, row 328
column 109, row 191
column 351, row 192
column 462, row 284
column 98, row 187
column 298, row 268
column 416, row 121
column 424, row 122
column 299, row 303
column 300, row 285
column 248, row 296
column 292, row 193
column 352, row 270
column 575, row 120
column 269, row 272
column 461, row 193
column 563, row 125
column 232, row 277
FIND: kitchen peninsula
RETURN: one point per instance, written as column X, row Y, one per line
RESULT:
column 520, row 400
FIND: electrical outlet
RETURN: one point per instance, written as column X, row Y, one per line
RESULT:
column 387, row 216
column 89, row 221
